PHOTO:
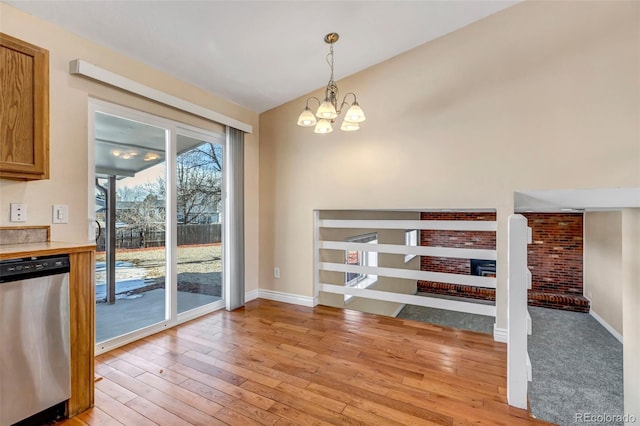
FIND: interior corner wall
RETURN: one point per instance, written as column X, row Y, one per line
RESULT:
column 603, row 266
column 540, row 96
column 68, row 98
column 630, row 311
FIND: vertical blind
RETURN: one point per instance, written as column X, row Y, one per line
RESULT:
column 235, row 155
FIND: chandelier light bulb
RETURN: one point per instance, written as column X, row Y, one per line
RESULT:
column 323, row 126
column 307, row 119
column 355, row 114
column 327, row 110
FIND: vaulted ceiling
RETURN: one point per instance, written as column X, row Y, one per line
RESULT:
column 260, row 54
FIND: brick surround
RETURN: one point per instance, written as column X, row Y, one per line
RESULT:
column 455, row 239
column 555, row 258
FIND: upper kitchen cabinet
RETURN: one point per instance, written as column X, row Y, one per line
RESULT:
column 24, row 110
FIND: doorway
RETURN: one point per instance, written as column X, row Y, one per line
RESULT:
column 159, row 212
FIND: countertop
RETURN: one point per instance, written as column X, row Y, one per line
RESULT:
column 14, row 251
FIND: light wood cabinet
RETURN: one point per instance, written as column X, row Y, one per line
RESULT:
column 24, row 110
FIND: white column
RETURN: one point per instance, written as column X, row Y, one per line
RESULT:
column 517, row 312
column 505, row 210
column 630, row 310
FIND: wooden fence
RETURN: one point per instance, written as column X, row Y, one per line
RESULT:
column 132, row 238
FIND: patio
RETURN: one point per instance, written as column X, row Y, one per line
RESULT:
column 141, row 310
column 140, row 286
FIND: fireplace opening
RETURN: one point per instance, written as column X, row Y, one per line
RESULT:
column 483, row 268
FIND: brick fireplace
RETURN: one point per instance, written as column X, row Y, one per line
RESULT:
column 455, row 239
column 554, row 258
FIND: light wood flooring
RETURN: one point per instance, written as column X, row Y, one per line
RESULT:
column 272, row 363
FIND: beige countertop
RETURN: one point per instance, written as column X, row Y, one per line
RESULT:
column 14, row 251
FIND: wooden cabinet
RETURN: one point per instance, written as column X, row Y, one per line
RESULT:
column 24, row 110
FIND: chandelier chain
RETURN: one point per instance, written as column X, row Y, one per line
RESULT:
column 330, row 60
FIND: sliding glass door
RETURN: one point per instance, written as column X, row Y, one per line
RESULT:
column 159, row 214
column 199, row 222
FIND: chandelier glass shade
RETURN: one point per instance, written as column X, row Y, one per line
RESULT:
column 329, row 109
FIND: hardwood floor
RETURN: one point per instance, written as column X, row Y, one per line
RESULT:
column 273, row 363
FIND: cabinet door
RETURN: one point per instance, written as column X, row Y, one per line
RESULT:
column 24, row 110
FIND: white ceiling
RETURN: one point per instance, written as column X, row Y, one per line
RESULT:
column 260, row 54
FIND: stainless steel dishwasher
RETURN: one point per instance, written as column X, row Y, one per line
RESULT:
column 35, row 371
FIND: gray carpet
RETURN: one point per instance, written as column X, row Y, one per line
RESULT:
column 577, row 367
column 480, row 323
column 577, row 363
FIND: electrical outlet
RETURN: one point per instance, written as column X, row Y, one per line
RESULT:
column 60, row 213
column 276, row 272
column 18, row 212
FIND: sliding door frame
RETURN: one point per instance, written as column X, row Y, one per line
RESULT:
column 173, row 128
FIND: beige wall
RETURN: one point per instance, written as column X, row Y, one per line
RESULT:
column 631, row 302
column 68, row 104
column 543, row 95
column 603, row 265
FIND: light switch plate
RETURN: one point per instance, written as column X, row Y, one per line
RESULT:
column 18, row 212
column 60, row 213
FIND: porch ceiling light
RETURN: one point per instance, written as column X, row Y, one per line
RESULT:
column 328, row 110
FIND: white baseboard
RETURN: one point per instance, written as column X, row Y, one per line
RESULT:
column 287, row 298
column 499, row 334
column 606, row 325
column 251, row 295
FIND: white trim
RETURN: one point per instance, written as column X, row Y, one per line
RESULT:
column 251, row 295
column 94, row 72
column 279, row 296
column 529, row 323
column 471, row 280
column 410, row 242
column 517, row 373
column 412, row 299
column 171, row 223
column 316, row 254
column 449, row 225
column 499, row 334
column 91, row 172
column 529, row 369
column 397, row 311
column 370, row 281
column 200, row 311
column 606, row 325
column 461, row 253
column 111, row 344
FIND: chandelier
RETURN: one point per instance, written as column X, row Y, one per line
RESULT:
column 329, row 110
